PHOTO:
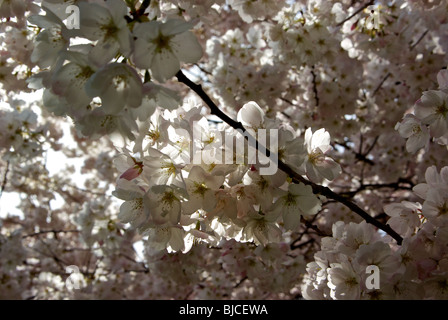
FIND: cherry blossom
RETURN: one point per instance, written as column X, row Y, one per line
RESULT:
column 317, row 164
column 298, row 200
column 117, row 85
column 161, row 46
column 432, row 110
column 128, row 149
column 107, row 25
column 414, row 131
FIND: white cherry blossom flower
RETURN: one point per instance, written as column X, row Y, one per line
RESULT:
column 165, row 237
column 164, row 204
column 201, row 187
column 436, row 203
column 344, row 281
column 318, row 165
column 133, row 209
column 251, row 116
column 434, row 180
column 404, row 216
column 411, row 129
column 98, row 123
column 118, row 85
column 297, row 201
column 70, row 80
column 152, row 132
column 161, row 47
column 160, row 169
column 262, row 228
column 351, row 236
column 52, row 40
column 379, row 254
column 106, row 25
column 432, row 110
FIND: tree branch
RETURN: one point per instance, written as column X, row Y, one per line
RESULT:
column 419, row 39
column 49, row 231
column 381, row 83
column 145, row 4
column 297, row 178
column 393, row 185
column 316, row 96
column 355, row 13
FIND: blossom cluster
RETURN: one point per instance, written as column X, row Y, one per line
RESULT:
column 430, row 117
column 416, row 270
column 176, row 201
column 160, row 196
column 91, row 81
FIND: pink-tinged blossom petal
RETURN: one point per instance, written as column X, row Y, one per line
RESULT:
column 131, row 173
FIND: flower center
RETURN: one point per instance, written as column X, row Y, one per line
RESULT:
column 169, row 197
column 85, row 73
column 416, row 129
column 162, row 42
column 169, row 168
column 442, row 110
column 290, row 199
column 137, row 204
column 154, row 135
column 351, row 282
column 443, row 209
column 200, row 188
column 109, row 30
column 120, row 82
column 314, row 156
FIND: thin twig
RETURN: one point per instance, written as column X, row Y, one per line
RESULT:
column 355, row 13
column 202, row 69
column 240, row 282
column 393, row 185
column 300, row 245
column 381, row 84
column 419, row 39
column 49, row 231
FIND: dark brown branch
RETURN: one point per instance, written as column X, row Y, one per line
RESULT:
column 371, row 147
column 145, row 4
column 316, row 96
column 303, row 244
column 358, row 156
column 327, row 192
column 310, row 225
column 213, row 107
column 355, row 13
column 304, row 231
column 297, row 178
